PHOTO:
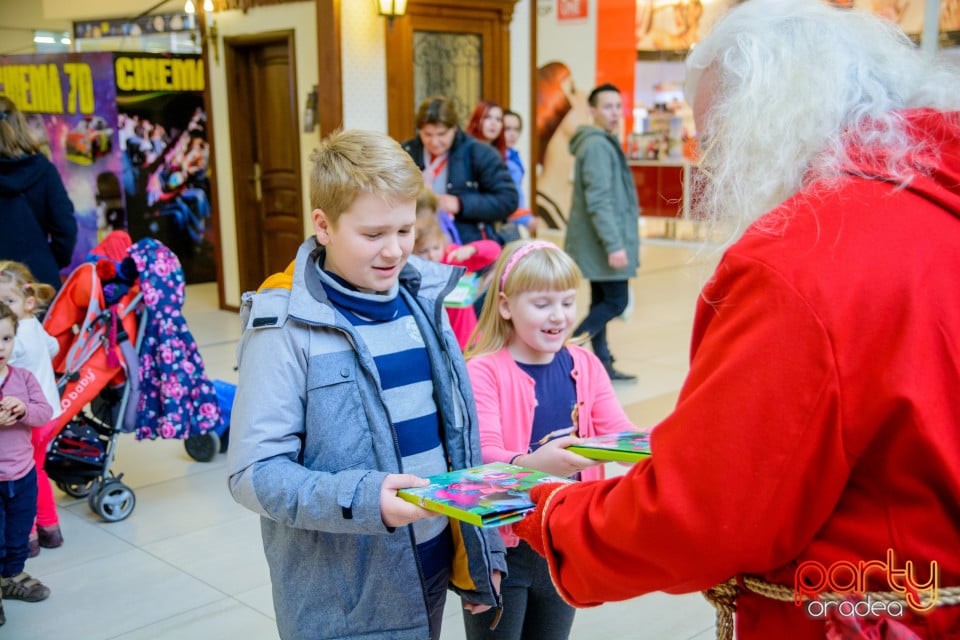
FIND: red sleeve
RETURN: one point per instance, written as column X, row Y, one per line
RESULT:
column 754, row 440
column 487, row 253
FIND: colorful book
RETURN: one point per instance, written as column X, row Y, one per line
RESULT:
column 465, row 293
column 489, row 495
column 626, row 446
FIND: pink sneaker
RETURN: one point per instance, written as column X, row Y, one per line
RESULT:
column 49, row 537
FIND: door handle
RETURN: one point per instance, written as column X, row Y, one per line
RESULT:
column 257, row 185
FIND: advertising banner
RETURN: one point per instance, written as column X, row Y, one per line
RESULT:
column 128, row 134
column 69, row 100
column 164, row 152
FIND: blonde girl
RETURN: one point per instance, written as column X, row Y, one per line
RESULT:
column 536, row 394
column 33, row 351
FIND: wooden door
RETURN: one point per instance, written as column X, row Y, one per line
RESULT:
column 485, row 21
column 265, row 141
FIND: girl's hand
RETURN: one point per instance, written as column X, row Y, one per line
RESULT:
column 553, row 458
column 462, row 254
column 11, row 410
column 14, row 407
column 395, row 511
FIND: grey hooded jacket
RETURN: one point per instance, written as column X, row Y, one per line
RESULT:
column 311, row 442
column 604, row 214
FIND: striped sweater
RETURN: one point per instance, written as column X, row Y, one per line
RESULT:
column 390, row 332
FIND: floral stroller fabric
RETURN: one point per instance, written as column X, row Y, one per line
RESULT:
column 176, row 398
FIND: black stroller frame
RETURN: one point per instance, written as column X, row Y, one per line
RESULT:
column 80, row 457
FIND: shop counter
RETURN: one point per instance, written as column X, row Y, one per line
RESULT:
column 662, row 186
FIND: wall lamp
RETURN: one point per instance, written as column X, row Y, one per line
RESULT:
column 211, row 32
column 391, row 9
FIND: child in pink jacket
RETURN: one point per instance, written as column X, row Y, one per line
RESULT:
column 536, row 394
column 432, row 244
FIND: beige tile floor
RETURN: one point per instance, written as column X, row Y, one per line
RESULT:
column 188, row 563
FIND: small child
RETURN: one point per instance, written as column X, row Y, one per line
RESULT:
column 22, row 409
column 536, row 394
column 429, row 205
column 431, row 244
column 33, row 352
column 351, row 387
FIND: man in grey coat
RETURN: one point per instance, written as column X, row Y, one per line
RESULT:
column 602, row 232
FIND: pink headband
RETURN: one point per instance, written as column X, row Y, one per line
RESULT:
column 519, row 254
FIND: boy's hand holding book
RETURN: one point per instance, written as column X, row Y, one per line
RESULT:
column 395, row 511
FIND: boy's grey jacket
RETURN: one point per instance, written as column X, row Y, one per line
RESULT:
column 604, row 214
column 311, row 442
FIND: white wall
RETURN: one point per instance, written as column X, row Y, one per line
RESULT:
column 300, row 17
column 19, row 21
column 363, row 66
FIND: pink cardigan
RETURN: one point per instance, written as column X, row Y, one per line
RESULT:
column 506, row 400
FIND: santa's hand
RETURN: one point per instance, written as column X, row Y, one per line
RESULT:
column 531, row 527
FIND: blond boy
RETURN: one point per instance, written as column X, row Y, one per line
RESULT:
column 352, row 387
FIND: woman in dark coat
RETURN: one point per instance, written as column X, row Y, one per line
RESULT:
column 470, row 178
column 36, row 214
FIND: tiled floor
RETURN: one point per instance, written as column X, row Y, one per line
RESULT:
column 188, row 563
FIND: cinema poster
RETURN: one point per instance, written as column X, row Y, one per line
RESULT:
column 128, row 134
column 69, row 101
column 164, row 152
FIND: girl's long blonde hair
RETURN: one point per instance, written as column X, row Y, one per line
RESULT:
column 541, row 267
column 19, row 275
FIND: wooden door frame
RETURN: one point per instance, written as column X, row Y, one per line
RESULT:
column 239, row 142
column 329, row 68
column 399, row 53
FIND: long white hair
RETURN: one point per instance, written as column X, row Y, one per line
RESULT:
column 794, row 83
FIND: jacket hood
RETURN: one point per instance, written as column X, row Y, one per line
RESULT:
column 938, row 166
column 19, row 174
column 587, row 132
column 420, row 277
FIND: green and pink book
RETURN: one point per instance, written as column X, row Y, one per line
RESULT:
column 625, row 446
column 489, row 495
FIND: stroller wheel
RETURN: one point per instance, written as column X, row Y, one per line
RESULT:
column 113, row 501
column 75, row 489
column 203, row 447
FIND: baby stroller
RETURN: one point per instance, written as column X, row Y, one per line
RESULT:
column 117, row 320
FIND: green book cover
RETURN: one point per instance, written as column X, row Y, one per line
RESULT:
column 626, row 446
column 489, row 495
column 465, row 293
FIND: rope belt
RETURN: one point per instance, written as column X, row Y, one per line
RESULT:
column 723, row 597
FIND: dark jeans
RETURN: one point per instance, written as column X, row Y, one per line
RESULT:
column 532, row 608
column 18, row 508
column 436, row 593
column 608, row 299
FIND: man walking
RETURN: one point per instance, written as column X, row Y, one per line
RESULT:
column 602, row 232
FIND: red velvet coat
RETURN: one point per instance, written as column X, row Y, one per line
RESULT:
column 820, row 419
